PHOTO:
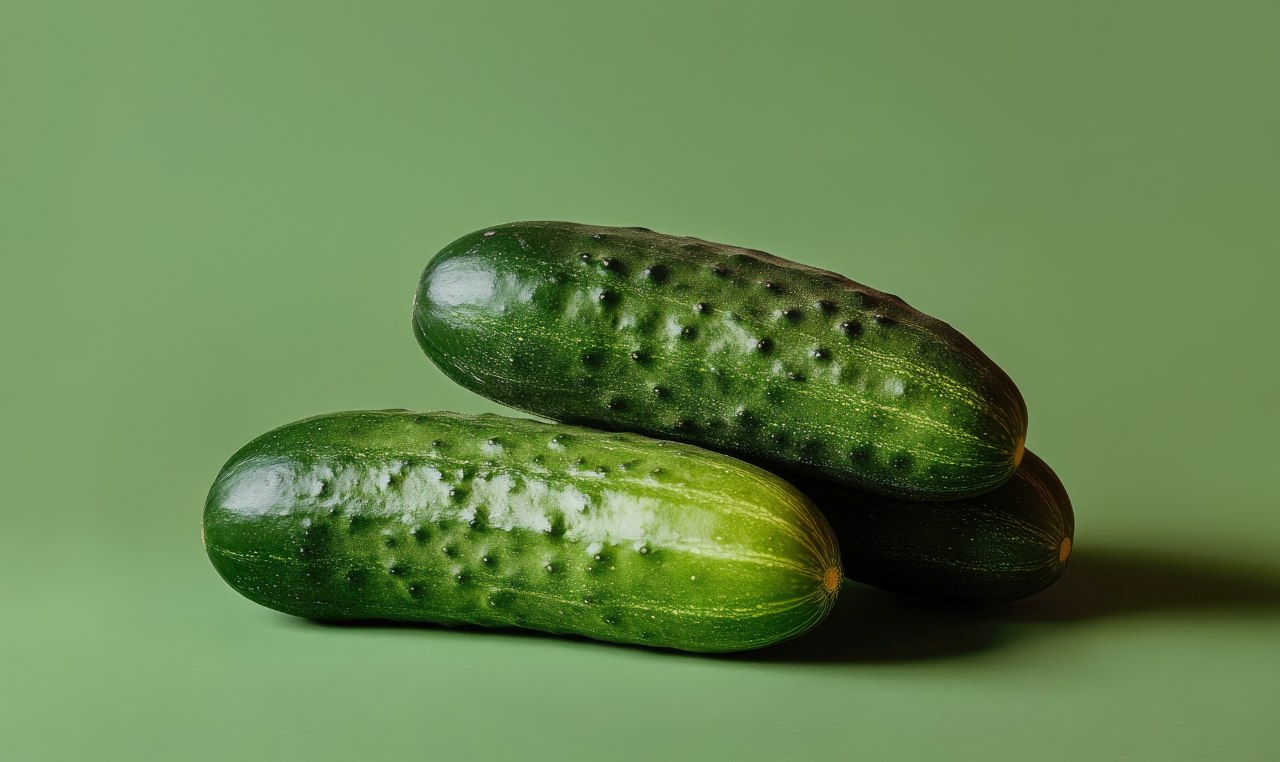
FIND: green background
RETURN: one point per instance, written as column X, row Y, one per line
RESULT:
column 212, row 219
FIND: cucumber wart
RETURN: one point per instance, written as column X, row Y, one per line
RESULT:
column 724, row 347
column 503, row 522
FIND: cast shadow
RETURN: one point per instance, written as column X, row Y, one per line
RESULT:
column 869, row 626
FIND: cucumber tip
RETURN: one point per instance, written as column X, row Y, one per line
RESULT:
column 831, row 579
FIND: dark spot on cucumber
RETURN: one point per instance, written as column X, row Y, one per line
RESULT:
column 389, row 540
column 850, row 328
column 820, row 354
column 356, row 576
column 585, row 257
column 557, row 525
column 617, row 403
column 659, row 392
column 607, row 298
column 461, row 578
column 589, row 600
column 771, row 286
column 612, row 265
column 702, row 307
column 395, row 570
column 449, row 551
column 610, row 620
column 790, row 315
column 359, row 523
column 598, row 236
column 488, row 560
column 656, row 274
column 719, row 270
column 415, row 591
column 437, row 443
column 639, row 357
column 800, row 377
column 860, row 299
column 825, row 306
column 421, row 534
column 685, row 425
column 764, row 346
column 883, row 319
column 862, row 453
column 592, row 359
column 643, row 550
column 457, row 495
column 746, row 419
column 656, row 471
column 901, row 462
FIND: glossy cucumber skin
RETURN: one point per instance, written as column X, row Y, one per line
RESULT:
column 723, row 347
column 504, row 522
column 1004, row 545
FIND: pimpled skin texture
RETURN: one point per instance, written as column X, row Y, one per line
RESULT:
column 504, row 522
column 1004, row 545
column 728, row 348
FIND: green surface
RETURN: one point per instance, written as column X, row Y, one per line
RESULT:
column 510, row 522
column 213, row 216
column 723, row 347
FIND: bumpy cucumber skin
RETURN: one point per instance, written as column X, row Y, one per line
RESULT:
column 503, row 522
column 1004, row 545
column 727, row 348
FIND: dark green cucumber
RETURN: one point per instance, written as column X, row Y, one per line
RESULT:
column 728, row 348
column 1007, row 544
column 504, row 522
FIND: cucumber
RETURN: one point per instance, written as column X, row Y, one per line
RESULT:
column 1007, row 544
column 723, row 347
column 502, row 522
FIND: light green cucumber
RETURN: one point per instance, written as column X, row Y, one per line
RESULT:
column 502, row 522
